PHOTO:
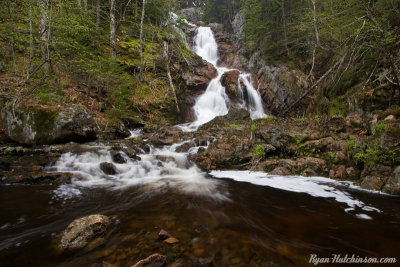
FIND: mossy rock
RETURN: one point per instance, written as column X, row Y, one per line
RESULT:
column 38, row 125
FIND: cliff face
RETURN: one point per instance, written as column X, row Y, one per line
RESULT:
column 279, row 85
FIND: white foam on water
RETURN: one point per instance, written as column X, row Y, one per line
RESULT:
column 313, row 186
column 161, row 168
column 135, row 133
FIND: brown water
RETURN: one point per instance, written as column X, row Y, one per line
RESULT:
column 260, row 226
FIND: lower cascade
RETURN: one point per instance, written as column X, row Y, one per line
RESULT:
column 215, row 102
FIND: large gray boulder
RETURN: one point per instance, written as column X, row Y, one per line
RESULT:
column 38, row 125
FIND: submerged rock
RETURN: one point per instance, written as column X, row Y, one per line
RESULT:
column 154, row 260
column 162, row 235
column 36, row 125
column 85, row 233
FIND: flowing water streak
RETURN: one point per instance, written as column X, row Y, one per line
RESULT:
column 215, row 102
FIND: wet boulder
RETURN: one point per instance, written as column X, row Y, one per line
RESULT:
column 37, row 125
column 117, row 157
column 85, row 234
column 108, row 168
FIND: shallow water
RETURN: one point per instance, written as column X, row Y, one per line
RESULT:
column 255, row 225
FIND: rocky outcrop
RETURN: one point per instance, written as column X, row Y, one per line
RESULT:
column 85, row 234
column 392, row 186
column 228, row 55
column 193, row 15
column 230, row 151
column 230, row 81
column 200, row 75
column 35, row 125
column 279, row 86
column 196, row 80
column 238, row 35
column 391, row 137
column 374, row 177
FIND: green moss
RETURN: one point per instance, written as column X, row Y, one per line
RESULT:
column 205, row 153
column 259, row 152
column 378, row 128
column 297, row 139
column 130, row 53
column 350, row 145
column 232, row 126
column 373, row 154
column 332, row 158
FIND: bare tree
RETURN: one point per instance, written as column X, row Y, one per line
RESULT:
column 12, row 37
column 315, row 22
column 171, row 84
column 31, row 41
column 141, row 41
column 113, row 42
column 44, row 32
column 98, row 16
column 284, row 26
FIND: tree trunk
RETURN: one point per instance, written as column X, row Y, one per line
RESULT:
column 141, row 41
column 284, row 27
column 44, row 32
column 113, row 42
column 315, row 22
column 85, row 5
column 171, row 84
column 98, row 16
column 31, row 41
column 12, row 38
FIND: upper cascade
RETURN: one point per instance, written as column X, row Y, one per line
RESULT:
column 205, row 45
column 215, row 102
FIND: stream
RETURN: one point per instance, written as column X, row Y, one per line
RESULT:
column 230, row 218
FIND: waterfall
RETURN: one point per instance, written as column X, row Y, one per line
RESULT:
column 255, row 104
column 215, row 102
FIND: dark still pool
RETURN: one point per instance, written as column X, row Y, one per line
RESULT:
column 227, row 219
